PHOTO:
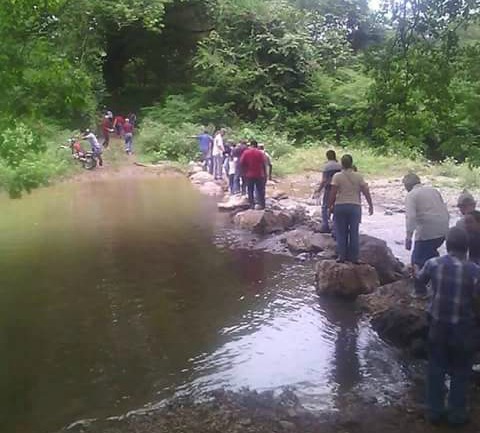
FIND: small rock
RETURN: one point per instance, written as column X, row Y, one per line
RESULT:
column 286, row 425
column 245, row 422
column 388, row 212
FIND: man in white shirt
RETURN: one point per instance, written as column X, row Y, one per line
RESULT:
column 217, row 154
column 426, row 216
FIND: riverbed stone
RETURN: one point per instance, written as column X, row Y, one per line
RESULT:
column 376, row 253
column 345, row 280
column 398, row 317
column 234, row 203
column 210, row 188
column 201, row 177
column 301, row 240
column 263, row 221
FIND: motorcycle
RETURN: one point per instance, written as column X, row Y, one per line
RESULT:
column 87, row 159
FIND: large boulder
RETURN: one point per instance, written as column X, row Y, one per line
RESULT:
column 345, row 280
column 397, row 316
column 201, row 177
column 210, row 188
column 375, row 252
column 263, row 221
column 301, row 240
column 234, row 203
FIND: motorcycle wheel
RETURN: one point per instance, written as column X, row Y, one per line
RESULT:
column 89, row 163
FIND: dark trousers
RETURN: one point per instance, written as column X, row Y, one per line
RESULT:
column 231, row 184
column 256, row 186
column 347, row 225
column 450, row 351
column 423, row 251
column 325, row 210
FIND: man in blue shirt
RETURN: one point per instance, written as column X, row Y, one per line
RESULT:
column 455, row 292
column 205, row 142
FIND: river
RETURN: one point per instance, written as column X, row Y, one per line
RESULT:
column 117, row 294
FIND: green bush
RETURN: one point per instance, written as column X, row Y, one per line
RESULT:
column 161, row 142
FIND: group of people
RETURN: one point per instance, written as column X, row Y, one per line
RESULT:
column 246, row 165
column 122, row 126
column 453, row 279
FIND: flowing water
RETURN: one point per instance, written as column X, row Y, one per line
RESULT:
column 116, row 294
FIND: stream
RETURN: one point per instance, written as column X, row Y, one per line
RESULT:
column 117, row 294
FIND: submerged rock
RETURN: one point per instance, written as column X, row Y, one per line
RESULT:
column 345, row 279
column 263, row 221
column 397, row 316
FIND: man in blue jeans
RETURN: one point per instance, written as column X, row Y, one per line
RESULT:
column 455, row 295
column 330, row 168
column 427, row 216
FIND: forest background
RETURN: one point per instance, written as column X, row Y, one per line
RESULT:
column 402, row 81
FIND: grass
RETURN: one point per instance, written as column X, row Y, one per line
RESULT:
column 448, row 172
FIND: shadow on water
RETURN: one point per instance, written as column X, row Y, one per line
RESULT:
column 113, row 295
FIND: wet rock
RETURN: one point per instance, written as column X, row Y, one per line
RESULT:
column 345, row 279
column 278, row 194
column 210, row 188
column 234, row 203
column 303, row 257
column 201, row 177
column 263, row 221
column 376, row 253
column 301, row 240
column 397, row 316
column 194, row 167
column 287, row 425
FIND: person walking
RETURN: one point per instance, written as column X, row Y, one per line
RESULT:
column 345, row 203
column 268, row 162
column 217, row 154
column 253, row 167
column 128, row 136
column 455, row 290
column 107, row 129
column 426, row 216
column 330, row 168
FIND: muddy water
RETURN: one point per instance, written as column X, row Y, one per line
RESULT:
column 114, row 296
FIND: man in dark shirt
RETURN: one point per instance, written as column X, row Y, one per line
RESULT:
column 253, row 166
column 329, row 169
column 452, row 308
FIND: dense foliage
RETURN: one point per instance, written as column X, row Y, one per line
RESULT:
column 404, row 79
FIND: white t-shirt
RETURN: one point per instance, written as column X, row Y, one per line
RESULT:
column 218, row 145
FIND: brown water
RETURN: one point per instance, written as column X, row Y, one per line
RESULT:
column 117, row 294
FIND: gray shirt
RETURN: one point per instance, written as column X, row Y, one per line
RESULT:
column 426, row 214
column 92, row 139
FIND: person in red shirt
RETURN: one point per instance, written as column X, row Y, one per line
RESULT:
column 118, row 123
column 253, row 163
column 106, row 129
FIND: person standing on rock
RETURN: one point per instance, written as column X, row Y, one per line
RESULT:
column 253, row 167
column 427, row 216
column 239, row 176
column 217, row 154
column 455, row 295
column 330, row 168
column 345, row 203
column 466, row 204
column 205, row 142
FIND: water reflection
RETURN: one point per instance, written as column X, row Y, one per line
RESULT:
column 114, row 295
